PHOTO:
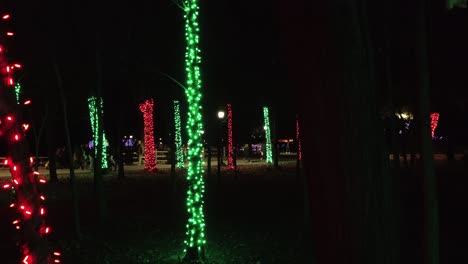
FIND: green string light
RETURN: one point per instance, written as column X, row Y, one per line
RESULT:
column 178, row 136
column 269, row 153
column 195, row 243
column 17, row 92
column 94, row 117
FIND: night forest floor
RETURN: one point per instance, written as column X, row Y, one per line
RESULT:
column 256, row 219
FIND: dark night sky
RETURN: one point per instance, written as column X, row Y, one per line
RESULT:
column 242, row 51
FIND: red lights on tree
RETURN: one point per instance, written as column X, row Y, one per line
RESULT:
column 24, row 184
column 434, row 122
column 298, row 139
column 150, row 152
column 230, row 145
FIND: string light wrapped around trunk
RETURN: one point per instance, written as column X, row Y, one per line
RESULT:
column 24, row 186
column 95, row 122
column 150, row 152
column 178, row 136
column 269, row 152
column 230, row 143
column 195, row 241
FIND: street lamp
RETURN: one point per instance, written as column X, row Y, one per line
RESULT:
column 221, row 115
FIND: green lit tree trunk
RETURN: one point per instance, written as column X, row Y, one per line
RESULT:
column 431, row 207
column 195, row 241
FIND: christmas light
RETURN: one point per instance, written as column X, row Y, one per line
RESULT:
column 26, row 191
column 269, row 154
column 230, row 145
column 95, row 122
column 150, row 153
column 298, row 139
column 195, row 242
column 178, row 136
column 434, row 122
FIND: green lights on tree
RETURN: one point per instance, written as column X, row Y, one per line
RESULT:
column 195, row 241
column 95, row 122
column 178, row 136
column 17, row 92
column 269, row 154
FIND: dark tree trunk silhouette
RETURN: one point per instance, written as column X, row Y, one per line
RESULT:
column 431, row 207
column 331, row 57
column 76, row 212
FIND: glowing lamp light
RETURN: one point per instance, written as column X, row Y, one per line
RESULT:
column 10, row 81
column 16, row 222
column 12, row 205
column 42, row 181
column 14, row 168
column 47, row 230
column 16, row 181
column 10, row 33
column 9, row 118
column 42, row 197
column 27, row 102
column 26, row 127
column 27, row 259
column 36, row 173
column 221, row 114
column 5, row 162
column 16, row 137
column 6, row 186
column 28, row 212
column 17, row 65
column 57, row 253
column 7, row 69
column 42, row 211
column 6, row 17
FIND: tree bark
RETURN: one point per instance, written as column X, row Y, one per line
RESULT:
column 431, row 207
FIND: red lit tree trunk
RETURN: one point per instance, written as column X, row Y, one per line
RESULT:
column 28, row 204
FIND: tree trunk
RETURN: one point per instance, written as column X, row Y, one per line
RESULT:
column 431, row 219
column 76, row 212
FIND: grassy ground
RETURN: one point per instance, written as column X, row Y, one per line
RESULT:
column 254, row 219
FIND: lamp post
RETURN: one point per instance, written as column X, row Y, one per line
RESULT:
column 221, row 115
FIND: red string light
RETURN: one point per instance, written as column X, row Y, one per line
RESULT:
column 24, row 181
column 434, row 122
column 230, row 145
column 150, row 153
column 298, row 139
